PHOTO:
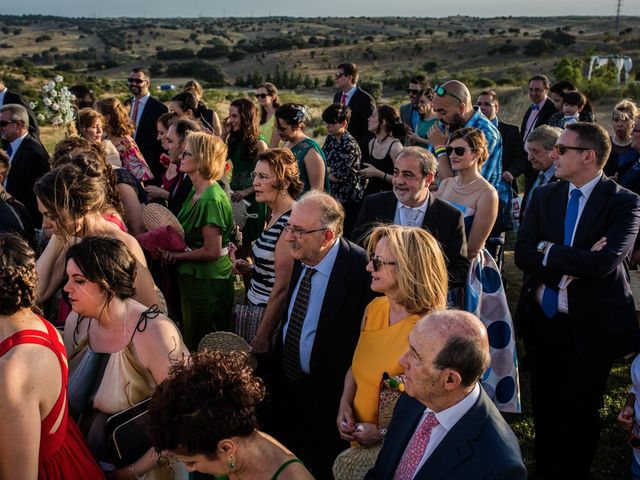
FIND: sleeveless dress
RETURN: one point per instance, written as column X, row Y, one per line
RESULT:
column 384, row 164
column 299, row 150
column 124, row 383
column 63, row 454
column 278, row 472
column 379, row 348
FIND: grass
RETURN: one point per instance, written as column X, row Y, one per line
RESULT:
column 613, row 458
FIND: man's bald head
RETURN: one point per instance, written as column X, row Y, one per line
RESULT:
column 453, row 104
column 460, row 90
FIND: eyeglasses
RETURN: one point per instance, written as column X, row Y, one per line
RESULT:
column 441, row 92
column 412, row 91
column 485, row 104
column 4, row 123
column 260, row 176
column 185, row 154
column 262, row 95
column 378, row 262
column 136, row 80
column 299, row 232
column 340, row 74
column 459, row 151
column 562, row 149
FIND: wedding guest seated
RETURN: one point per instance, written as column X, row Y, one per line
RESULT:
column 38, row 438
column 204, row 415
column 623, row 156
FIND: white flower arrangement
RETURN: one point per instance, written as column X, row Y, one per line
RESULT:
column 57, row 105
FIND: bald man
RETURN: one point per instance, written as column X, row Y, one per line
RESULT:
column 445, row 426
column 452, row 103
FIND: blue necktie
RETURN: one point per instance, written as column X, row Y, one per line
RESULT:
column 534, row 106
column 9, row 150
column 550, row 295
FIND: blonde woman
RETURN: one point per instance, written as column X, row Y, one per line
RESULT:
column 407, row 266
column 204, row 271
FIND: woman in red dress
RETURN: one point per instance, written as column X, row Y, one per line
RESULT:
column 38, row 438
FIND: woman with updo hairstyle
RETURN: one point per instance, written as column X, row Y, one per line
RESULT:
column 38, row 438
column 383, row 149
column 186, row 105
column 623, row 156
column 343, row 162
column 207, row 117
column 73, row 204
column 277, row 184
column 119, row 131
column 137, row 345
column 468, row 190
column 90, row 126
column 245, row 144
column 267, row 96
column 290, row 122
column 204, row 270
column 408, row 267
column 214, row 428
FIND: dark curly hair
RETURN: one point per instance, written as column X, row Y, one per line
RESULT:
column 249, row 134
column 293, row 114
column 207, row 398
column 391, row 118
column 336, row 113
column 69, row 194
column 18, row 275
column 108, row 262
column 285, row 168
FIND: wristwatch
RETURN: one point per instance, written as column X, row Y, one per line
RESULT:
column 542, row 246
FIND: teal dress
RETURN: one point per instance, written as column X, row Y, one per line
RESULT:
column 206, row 288
column 300, row 150
column 423, row 128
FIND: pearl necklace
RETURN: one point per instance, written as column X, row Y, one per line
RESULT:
column 461, row 187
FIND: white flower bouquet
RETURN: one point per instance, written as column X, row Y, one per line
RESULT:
column 57, row 105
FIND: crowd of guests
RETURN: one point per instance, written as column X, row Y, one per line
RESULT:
column 370, row 263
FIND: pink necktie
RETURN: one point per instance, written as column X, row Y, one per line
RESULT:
column 134, row 115
column 343, row 100
column 415, row 449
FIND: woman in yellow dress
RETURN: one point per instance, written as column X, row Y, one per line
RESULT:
column 407, row 265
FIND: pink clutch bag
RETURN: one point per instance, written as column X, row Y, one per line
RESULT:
column 161, row 238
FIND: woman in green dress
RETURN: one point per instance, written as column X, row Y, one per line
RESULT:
column 204, row 271
column 290, row 122
column 245, row 144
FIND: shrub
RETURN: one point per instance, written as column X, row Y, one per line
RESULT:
column 538, row 47
column 484, row 82
column 373, row 88
column 176, row 54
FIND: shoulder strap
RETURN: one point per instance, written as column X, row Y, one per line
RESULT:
column 285, row 465
column 391, row 146
column 152, row 312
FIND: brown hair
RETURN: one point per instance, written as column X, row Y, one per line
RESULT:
column 116, row 116
column 18, row 275
column 249, row 135
column 285, row 169
column 476, row 141
column 209, row 152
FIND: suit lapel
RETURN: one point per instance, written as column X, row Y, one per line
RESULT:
column 597, row 201
column 430, row 220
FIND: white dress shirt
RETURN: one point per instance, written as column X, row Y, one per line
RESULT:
column 410, row 216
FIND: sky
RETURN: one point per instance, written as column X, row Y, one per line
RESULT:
column 319, row 8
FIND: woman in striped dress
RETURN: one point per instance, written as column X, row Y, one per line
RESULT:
column 276, row 182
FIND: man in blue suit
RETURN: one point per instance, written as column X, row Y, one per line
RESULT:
column 445, row 426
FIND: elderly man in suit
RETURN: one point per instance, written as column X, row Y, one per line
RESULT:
column 410, row 203
column 577, row 311
column 144, row 113
column 360, row 102
column 328, row 294
column 541, row 108
column 28, row 158
column 445, row 426
column 9, row 97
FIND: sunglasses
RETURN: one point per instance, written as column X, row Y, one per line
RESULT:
column 459, row 151
column 339, row 74
column 562, row 149
column 136, row 80
column 4, row 123
column 441, row 92
column 185, row 154
column 636, row 130
column 378, row 262
column 412, row 91
column 262, row 95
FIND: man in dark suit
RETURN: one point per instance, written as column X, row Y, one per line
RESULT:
column 29, row 160
column 410, row 203
column 361, row 103
column 328, row 293
column 409, row 112
column 445, row 426
column 144, row 113
column 577, row 312
column 539, row 147
column 541, row 108
column 8, row 97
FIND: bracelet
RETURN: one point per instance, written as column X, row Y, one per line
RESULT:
column 441, row 154
column 440, row 150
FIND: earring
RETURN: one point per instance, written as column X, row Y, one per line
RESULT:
column 231, row 462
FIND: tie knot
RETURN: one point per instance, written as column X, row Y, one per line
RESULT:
column 535, row 106
column 309, row 272
column 429, row 422
column 576, row 194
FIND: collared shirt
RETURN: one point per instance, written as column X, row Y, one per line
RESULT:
column 319, row 283
column 143, row 102
column 410, row 216
column 349, row 94
column 533, row 116
column 447, row 419
column 491, row 169
column 587, row 190
column 15, row 145
column 542, row 179
column 415, row 117
column 2, row 94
